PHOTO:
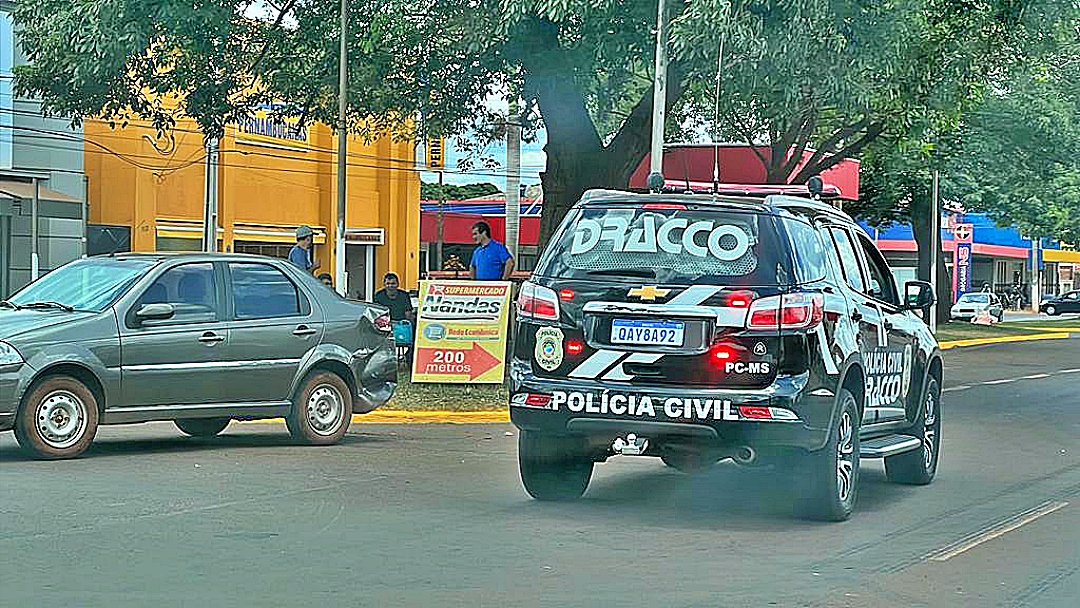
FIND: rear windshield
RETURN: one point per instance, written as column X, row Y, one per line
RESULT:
column 669, row 246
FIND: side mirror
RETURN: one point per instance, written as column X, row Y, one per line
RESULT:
column 918, row 295
column 154, row 312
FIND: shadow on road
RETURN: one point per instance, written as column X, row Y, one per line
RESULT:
column 724, row 496
column 181, row 444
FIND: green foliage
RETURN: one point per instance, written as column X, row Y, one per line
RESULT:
column 451, row 192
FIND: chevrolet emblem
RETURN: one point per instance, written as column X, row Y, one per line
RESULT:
column 648, row 293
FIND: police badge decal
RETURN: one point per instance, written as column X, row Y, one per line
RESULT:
column 549, row 348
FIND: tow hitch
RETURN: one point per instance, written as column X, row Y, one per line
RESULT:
column 631, row 446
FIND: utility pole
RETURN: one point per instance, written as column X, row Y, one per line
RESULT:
column 439, row 225
column 210, row 207
column 935, row 247
column 1036, row 273
column 340, row 278
column 35, row 261
column 513, row 179
column 656, row 150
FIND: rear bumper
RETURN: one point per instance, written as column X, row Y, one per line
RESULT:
column 376, row 376
column 603, row 411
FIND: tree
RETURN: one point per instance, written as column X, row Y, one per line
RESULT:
column 451, row 192
column 828, row 75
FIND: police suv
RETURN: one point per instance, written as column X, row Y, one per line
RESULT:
column 696, row 328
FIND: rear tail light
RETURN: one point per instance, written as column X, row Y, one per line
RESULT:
column 574, row 347
column 790, row 311
column 383, row 323
column 739, row 299
column 537, row 302
column 721, row 354
column 664, row 207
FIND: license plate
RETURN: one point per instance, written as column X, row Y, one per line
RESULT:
column 653, row 333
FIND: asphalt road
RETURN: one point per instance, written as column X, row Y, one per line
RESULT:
column 434, row 515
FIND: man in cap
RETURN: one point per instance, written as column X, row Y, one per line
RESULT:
column 302, row 253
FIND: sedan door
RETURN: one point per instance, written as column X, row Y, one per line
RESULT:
column 175, row 361
column 1070, row 302
column 272, row 325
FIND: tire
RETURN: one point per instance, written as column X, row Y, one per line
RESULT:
column 553, row 467
column 58, row 419
column 322, row 410
column 1052, row 310
column 202, row 427
column 919, row 467
column 829, row 477
column 688, row 463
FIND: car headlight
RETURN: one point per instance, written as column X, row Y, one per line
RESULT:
column 8, row 355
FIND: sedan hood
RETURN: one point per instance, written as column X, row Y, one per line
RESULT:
column 17, row 322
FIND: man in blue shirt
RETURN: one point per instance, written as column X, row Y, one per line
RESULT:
column 491, row 261
column 301, row 254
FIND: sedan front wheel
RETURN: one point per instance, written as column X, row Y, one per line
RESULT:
column 58, row 419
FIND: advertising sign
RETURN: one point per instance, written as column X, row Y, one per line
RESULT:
column 963, row 233
column 461, row 332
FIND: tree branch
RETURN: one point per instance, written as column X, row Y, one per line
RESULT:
column 849, row 151
column 628, row 146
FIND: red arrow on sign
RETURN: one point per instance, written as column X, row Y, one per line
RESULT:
column 475, row 361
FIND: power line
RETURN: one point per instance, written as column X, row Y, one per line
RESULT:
column 311, row 147
column 127, row 157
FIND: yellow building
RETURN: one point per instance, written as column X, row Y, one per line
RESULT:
column 271, row 179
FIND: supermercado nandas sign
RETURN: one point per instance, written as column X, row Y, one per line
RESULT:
column 461, row 332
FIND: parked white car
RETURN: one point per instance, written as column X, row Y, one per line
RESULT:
column 970, row 305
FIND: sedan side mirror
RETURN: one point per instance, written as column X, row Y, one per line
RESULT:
column 155, row 312
column 918, row 295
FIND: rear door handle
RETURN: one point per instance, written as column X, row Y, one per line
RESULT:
column 304, row 331
column 210, row 338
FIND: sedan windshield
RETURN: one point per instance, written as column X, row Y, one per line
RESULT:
column 84, row 285
column 975, row 298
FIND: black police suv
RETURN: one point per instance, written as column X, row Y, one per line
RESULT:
column 698, row 328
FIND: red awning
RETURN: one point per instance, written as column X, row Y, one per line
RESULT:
column 457, row 228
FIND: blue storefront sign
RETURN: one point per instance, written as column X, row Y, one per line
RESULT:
column 963, row 235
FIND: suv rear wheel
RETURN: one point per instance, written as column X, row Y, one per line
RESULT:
column 553, row 467
column 202, row 427
column 321, row 411
column 918, row 467
column 831, row 475
column 58, row 419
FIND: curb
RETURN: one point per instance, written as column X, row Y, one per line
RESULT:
column 416, row 417
column 1002, row 340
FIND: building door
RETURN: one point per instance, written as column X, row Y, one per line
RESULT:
column 360, row 267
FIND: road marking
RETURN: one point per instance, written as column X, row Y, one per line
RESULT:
column 1035, row 376
column 1007, row 381
column 962, row 387
column 995, row 531
column 1070, row 371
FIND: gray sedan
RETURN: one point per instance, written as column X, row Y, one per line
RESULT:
column 199, row 339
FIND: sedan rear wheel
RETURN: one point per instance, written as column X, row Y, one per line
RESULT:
column 321, row 411
column 58, row 419
column 1052, row 310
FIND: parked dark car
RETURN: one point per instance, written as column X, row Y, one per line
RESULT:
column 200, row 339
column 697, row 328
column 1066, row 302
